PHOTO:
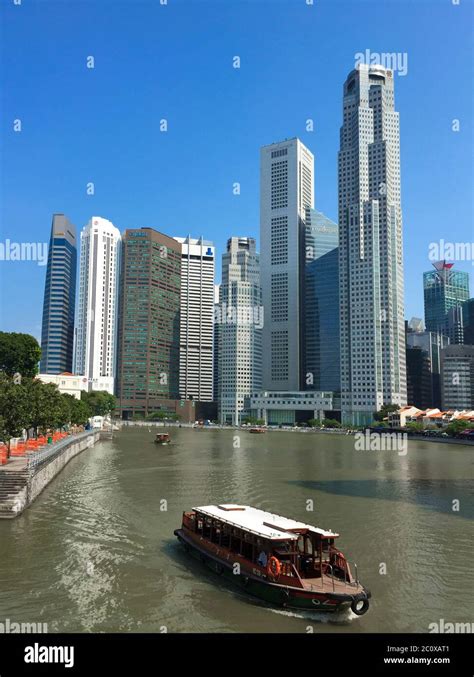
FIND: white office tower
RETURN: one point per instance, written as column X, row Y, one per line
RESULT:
column 196, row 319
column 239, row 316
column 96, row 326
column 370, row 247
column 286, row 189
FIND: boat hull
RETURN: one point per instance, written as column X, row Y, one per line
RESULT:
column 258, row 586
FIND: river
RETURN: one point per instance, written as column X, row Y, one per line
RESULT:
column 96, row 551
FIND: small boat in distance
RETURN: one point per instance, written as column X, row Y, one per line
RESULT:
column 287, row 563
column 258, row 429
column 162, row 438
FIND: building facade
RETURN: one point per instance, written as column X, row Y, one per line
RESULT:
column 96, row 326
column 457, row 377
column 468, row 321
column 430, row 344
column 239, row 317
column 57, row 333
column 149, row 323
column 373, row 370
column 290, row 407
column 419, row 378
column 443, row 289
column 196, row 324
column 286, row 189
column 320, row 313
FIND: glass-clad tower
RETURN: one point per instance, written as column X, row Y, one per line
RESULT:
column 444, row 288
column 321, row 308
column 57, row 335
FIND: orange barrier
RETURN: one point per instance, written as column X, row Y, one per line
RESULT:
column 3, row 456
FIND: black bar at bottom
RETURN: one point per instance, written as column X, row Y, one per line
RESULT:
column 366, row 654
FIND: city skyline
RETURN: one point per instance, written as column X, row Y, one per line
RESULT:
column 436, row 206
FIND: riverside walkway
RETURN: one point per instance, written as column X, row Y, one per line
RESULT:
column 24, row 476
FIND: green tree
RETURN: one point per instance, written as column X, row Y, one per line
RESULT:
column 100, row 402
column 79, row 410
column 414, row 427
column 14, row 410
column 331, row 423
column 47, row 408
column 19, row 354
column 314, row 423
column 457, row 426
column 385, row 410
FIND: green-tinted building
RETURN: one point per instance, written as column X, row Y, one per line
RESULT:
column 148, row 345
column 444, row 288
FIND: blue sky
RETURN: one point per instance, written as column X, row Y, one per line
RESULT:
column 174, row 61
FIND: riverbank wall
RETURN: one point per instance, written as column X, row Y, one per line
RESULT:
column 23, row 479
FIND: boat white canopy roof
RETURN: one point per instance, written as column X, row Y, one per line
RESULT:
column 265, row 524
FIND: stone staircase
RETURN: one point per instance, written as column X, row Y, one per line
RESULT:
column 13, row 491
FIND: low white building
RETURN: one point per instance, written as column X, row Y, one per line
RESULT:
column 73, row 384
column 281, row 407
column 67, row 383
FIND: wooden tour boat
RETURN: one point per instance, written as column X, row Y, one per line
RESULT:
column 257, row 429
column 279, row 560
column 162, row 438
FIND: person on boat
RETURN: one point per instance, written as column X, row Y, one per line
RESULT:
column 262, row 559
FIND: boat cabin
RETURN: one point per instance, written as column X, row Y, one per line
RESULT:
column 301, row 551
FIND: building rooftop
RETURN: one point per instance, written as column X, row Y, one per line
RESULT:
column 265, row 524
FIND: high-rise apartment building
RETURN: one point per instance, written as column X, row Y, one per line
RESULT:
column 96, row 325
column 373, row 370
column 444, row 288
column 286, row 189
column 239, row 316
column 196, row 325
column 148, row 336
column 57, row 334
column 320, row 313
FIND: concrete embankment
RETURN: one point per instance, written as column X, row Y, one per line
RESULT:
column 23, row 479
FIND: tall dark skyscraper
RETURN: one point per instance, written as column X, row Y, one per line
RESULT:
column 149, row 322
column 468, row 321
column 444, row 288
column 321, row 307
column 57, row 335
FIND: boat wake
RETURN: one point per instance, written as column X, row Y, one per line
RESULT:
column 334, row 617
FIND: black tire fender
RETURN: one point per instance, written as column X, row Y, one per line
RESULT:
column 355, row 606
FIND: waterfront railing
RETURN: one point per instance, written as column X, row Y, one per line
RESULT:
column 38, row 458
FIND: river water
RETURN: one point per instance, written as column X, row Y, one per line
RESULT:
column 96, row 551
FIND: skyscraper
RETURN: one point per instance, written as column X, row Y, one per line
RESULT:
column 373, row 370
column 286, row 189
column 457, row 377
column 424, row 392
column 443, row 288
column 96, row 327
column 57, row 334
column 468, row 321
column 240, row 320
column 148, row 337
column 196, row 325
column 215, row 376
column 321, row 308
